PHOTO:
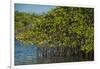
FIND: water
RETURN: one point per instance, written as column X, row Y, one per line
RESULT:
column 24, row 54
column 27, row 54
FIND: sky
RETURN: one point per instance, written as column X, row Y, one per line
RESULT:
column 30, row 8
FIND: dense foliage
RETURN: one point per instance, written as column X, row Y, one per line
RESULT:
column 61, row 26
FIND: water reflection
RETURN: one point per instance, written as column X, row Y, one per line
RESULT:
column 27, row 54
column 24, row 54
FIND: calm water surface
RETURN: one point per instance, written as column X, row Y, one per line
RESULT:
column 27, row 54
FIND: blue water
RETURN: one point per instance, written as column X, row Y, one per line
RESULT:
column 25, row 54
